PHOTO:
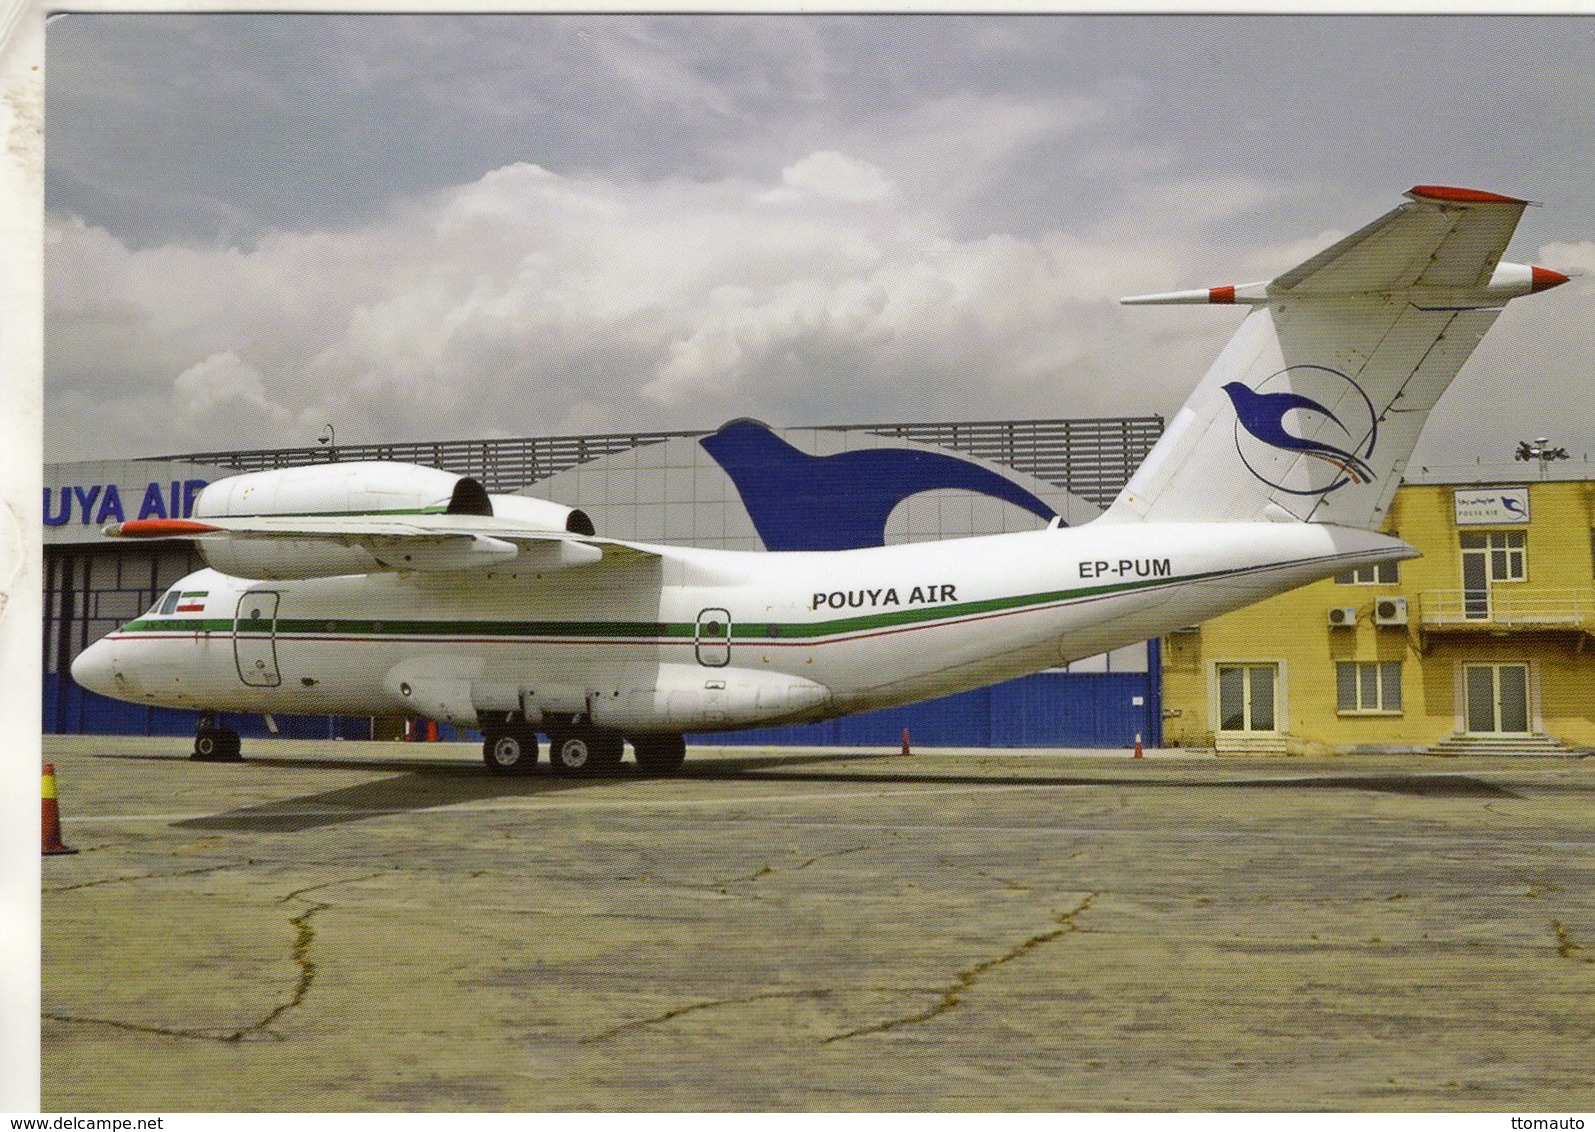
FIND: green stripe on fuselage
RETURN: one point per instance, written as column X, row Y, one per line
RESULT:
column 651, row 630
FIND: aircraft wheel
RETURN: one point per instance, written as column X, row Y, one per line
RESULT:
column 510, row 752
column 217, row 745
column 659, row 754
column 583, row 750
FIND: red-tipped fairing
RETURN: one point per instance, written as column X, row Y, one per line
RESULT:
column 158, row 528
column 1543, row 279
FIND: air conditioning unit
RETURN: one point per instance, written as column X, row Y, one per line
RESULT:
column 1390, row 611
column 1343, row 617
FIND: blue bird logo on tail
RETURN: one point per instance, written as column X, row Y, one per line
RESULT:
column 1267, row 446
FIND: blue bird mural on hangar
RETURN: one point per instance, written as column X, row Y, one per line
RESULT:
column 840, row 502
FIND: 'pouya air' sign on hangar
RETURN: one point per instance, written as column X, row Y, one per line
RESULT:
column 81, row 498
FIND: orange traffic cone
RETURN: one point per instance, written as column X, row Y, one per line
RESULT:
column 906, row 751
column 1137, row 746
column 50, row 830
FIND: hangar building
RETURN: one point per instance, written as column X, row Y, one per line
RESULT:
column 743, row 486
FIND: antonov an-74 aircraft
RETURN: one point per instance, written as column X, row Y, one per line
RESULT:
column 383, row 588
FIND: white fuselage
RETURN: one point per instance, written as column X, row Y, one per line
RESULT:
column 682, row 639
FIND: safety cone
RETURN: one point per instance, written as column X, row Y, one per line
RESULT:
column 50, row 829
column 906, row 751
column 1137, row 746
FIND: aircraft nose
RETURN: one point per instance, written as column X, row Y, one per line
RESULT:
column 93, row 668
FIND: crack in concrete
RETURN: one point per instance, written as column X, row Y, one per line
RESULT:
column 304, row 937
column 767, row 870
column 952, row 995
column 1565, row 945
column 1010, row 885
column 692, row 1008
column 828, row 856
column 153, row 876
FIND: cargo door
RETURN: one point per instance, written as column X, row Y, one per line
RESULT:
column 255, row 639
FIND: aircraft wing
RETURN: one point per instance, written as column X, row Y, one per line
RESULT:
column 308, row 546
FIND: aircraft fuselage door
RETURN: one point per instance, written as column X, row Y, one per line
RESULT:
column 255, row 639
column 713, row 638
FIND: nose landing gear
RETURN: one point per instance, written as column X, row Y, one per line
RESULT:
column 214, row 744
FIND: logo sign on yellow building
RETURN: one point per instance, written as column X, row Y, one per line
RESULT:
column 1491, row 506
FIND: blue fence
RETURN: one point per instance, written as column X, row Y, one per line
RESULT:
column 71, row 710
column 1049, row 709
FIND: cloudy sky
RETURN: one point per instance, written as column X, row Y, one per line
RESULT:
column 434, row 227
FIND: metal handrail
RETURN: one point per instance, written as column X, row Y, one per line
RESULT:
column 1508, row 606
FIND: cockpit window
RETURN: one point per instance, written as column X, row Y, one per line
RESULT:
column 169, row 602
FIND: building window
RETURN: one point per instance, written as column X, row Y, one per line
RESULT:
column 1368, row 687
column 1380, row 574
column 1500, row 553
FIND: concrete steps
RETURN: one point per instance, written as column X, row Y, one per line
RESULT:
column 1247, row 743
column 1500, row 745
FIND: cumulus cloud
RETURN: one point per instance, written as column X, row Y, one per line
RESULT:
column 527, row 302
column 224, row 394
column 833, row 175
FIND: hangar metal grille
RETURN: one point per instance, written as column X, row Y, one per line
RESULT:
column 1090, row 457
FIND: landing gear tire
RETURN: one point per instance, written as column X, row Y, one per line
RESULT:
column 217, row 745
column 510, row 752
column 585, row 751
column 659, row 754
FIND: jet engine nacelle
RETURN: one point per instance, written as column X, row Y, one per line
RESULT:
column 363, row 488
column 378, row 488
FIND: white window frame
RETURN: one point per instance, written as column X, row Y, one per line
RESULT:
column 1512, row 544
column 1370, row 575
column 1382, row 671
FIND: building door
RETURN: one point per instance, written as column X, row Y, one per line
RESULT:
column 1247, row 697
column 255, row 639
column 713, row 638
column 1476, row 584
column 1489, row 556
column 1497, row 699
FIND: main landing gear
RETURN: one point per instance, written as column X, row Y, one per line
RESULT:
column 584, row 750
column 577, row 749
column 659, row 754
column 214, row 744
column 511, row 749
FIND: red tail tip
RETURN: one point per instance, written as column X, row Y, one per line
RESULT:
column 1543, row 279
column 1462, row 196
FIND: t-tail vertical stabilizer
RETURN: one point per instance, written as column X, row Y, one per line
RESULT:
column 1313, row 408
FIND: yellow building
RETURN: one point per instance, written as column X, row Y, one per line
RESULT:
column 1486, row 642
